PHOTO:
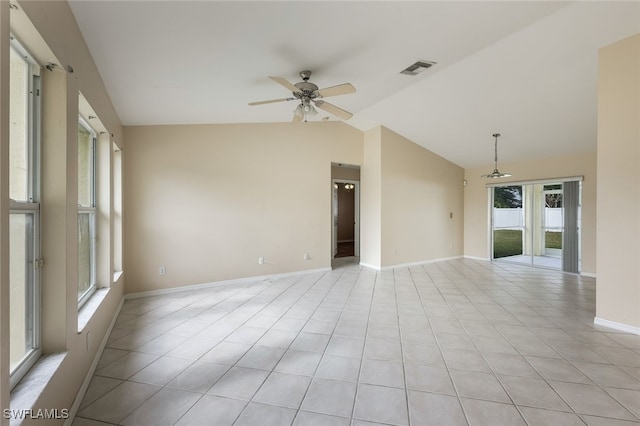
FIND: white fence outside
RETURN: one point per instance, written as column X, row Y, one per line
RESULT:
column 508, row 218
column 514, row 218
column 553, row 218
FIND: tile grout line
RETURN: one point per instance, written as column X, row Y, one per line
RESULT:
column 364, row 343
column 404, row 371
column 353, row 285
column 444, row 360
column 543, row 378
column 195, row 360
column 465, row 289
column 501, row 381
column 248, row 402
column 336, row 282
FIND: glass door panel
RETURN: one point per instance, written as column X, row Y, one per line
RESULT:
column 549, row 224
column 508, row 224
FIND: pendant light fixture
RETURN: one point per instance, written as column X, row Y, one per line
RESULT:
column 304, row 111
column 496, row 174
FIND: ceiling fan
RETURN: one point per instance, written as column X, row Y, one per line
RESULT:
column 309, row 96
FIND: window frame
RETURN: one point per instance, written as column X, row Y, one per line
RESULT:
column 91, row 211
column 31, row 206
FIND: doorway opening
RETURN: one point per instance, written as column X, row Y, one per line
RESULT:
column 345, row 214
column 538, row 224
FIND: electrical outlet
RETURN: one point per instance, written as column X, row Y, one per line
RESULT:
column 261, row 261
column 162, row 270
column 306, row 256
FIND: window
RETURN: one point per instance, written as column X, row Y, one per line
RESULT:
column 24, row 220
column 86, row 211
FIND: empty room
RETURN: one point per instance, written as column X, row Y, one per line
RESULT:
column 319, row 213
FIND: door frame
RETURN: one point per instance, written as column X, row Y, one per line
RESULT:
column 356, row 216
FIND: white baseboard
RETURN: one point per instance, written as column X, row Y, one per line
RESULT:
column 485, row 259
column 237, row 281
column 422, row 262
column 405, row 265
column 367, row 265
column 588, row 274
column 92, row 369
column 617, row 326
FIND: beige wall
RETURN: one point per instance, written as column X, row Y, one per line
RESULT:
column 262, row 190
column 207, row 201
column 420, row 191
column 618, row 293
column 476, row 200
column 48, row 29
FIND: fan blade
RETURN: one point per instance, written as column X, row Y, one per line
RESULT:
column 296, row 118
column 340, row 89
column 271, row 101
column 285, row 83
column 334, row 109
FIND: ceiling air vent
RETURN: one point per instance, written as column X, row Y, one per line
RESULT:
column 417, row 68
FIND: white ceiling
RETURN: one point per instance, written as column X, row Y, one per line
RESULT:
column 525, row 69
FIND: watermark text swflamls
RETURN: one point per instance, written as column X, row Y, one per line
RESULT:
column 40, row 413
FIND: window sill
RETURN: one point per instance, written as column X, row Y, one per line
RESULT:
column 90, row 307
column 26, row 393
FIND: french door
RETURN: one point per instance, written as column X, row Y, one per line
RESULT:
column 537, row 223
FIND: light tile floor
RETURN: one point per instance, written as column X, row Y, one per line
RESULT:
column 553, row 262
column 448, row 343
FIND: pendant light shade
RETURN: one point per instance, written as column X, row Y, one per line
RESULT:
column 304, row 110
column 496, row 174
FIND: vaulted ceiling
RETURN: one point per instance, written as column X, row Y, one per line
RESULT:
column 526, row 69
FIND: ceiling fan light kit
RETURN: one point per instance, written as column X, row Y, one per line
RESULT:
column 309, row 96
column 303, row 111
column 496, row 174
